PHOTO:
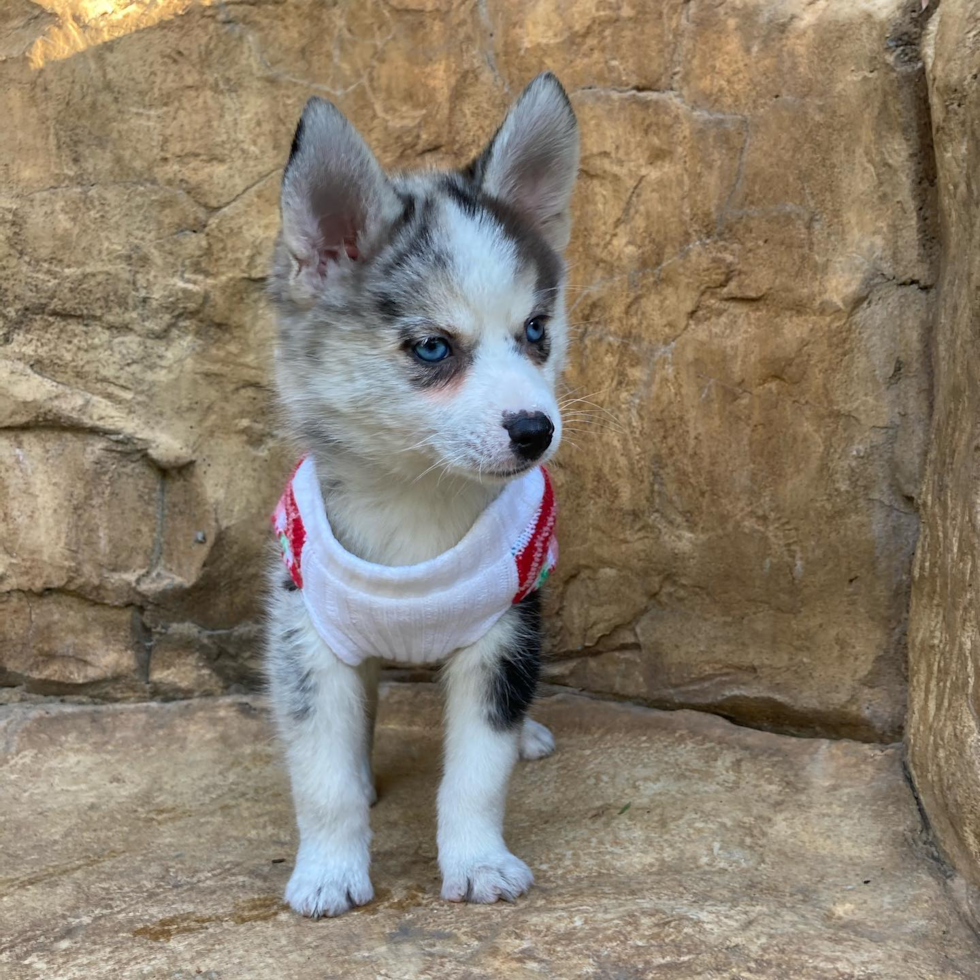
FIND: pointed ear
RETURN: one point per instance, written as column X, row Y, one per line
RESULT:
column 335, row 198
column 532, row 162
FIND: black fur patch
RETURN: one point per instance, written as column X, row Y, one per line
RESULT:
column 296, row 682
column 515, row 678
column 464, row 196
column 296, row 144
column 464, row 190
column 319, row 437
column 477, row 167
column 414, row 250
column 388, row 306
column 551, row 77
column 408, row 209
column 412, row 238
column 438, row 375
column 302, row 691
column 532, row 246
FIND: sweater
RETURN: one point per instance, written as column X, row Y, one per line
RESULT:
column 421, row 613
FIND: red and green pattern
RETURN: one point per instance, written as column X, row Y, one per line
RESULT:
column 290, row 532
column 539, row 555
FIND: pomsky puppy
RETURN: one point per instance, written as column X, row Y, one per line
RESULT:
column 422, row 333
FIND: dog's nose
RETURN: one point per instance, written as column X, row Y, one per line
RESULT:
column 530, row 433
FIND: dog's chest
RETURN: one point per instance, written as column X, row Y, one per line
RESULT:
column 403, row 526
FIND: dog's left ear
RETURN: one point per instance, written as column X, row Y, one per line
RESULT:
column 532, row 161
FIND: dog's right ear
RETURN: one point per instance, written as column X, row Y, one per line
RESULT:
column 335, row 200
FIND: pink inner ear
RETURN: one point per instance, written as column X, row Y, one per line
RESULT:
column 332, row 254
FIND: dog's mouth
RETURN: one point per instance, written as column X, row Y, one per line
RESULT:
column 496, row 474
column 509, row 472
column 498, row 471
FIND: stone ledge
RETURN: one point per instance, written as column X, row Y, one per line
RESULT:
column 154, row 840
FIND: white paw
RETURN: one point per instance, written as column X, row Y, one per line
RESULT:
column 536, row 740
column 486, row 879
column 317, row 889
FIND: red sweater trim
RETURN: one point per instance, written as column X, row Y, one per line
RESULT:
column 290, row 532
column 538, row 556
column 534, row 561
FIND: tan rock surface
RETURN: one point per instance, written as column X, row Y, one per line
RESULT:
column 944, row 638
column 155, row 840
column 755, row 309
column 750, row 283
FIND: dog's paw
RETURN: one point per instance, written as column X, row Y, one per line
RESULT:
column 326, row 889
column 536, row 740
column 487, row 879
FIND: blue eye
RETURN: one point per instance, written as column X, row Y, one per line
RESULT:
column 432, row 349
column 534, row 329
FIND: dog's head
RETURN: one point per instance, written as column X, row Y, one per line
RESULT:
column 422, row 319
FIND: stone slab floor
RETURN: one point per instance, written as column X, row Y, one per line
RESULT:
column 155, row 841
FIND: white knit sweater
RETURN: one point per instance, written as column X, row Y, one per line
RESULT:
column 416, row 614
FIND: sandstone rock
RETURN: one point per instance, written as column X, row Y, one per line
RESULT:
column 944, row 636
column 664, row 845
column 751, row 275
column 58, row 644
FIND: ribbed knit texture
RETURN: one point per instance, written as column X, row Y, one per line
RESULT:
column 415, row 614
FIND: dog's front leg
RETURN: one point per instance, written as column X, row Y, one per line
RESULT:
column 322, row 708
column 488, row 689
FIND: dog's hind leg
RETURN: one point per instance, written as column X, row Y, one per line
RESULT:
column 536, row 740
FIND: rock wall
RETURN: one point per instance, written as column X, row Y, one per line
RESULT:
column 944, row 637
column 751, row 276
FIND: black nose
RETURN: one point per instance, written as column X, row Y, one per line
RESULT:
column 530, row 433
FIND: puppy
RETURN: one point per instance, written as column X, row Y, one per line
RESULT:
column 421, row 336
